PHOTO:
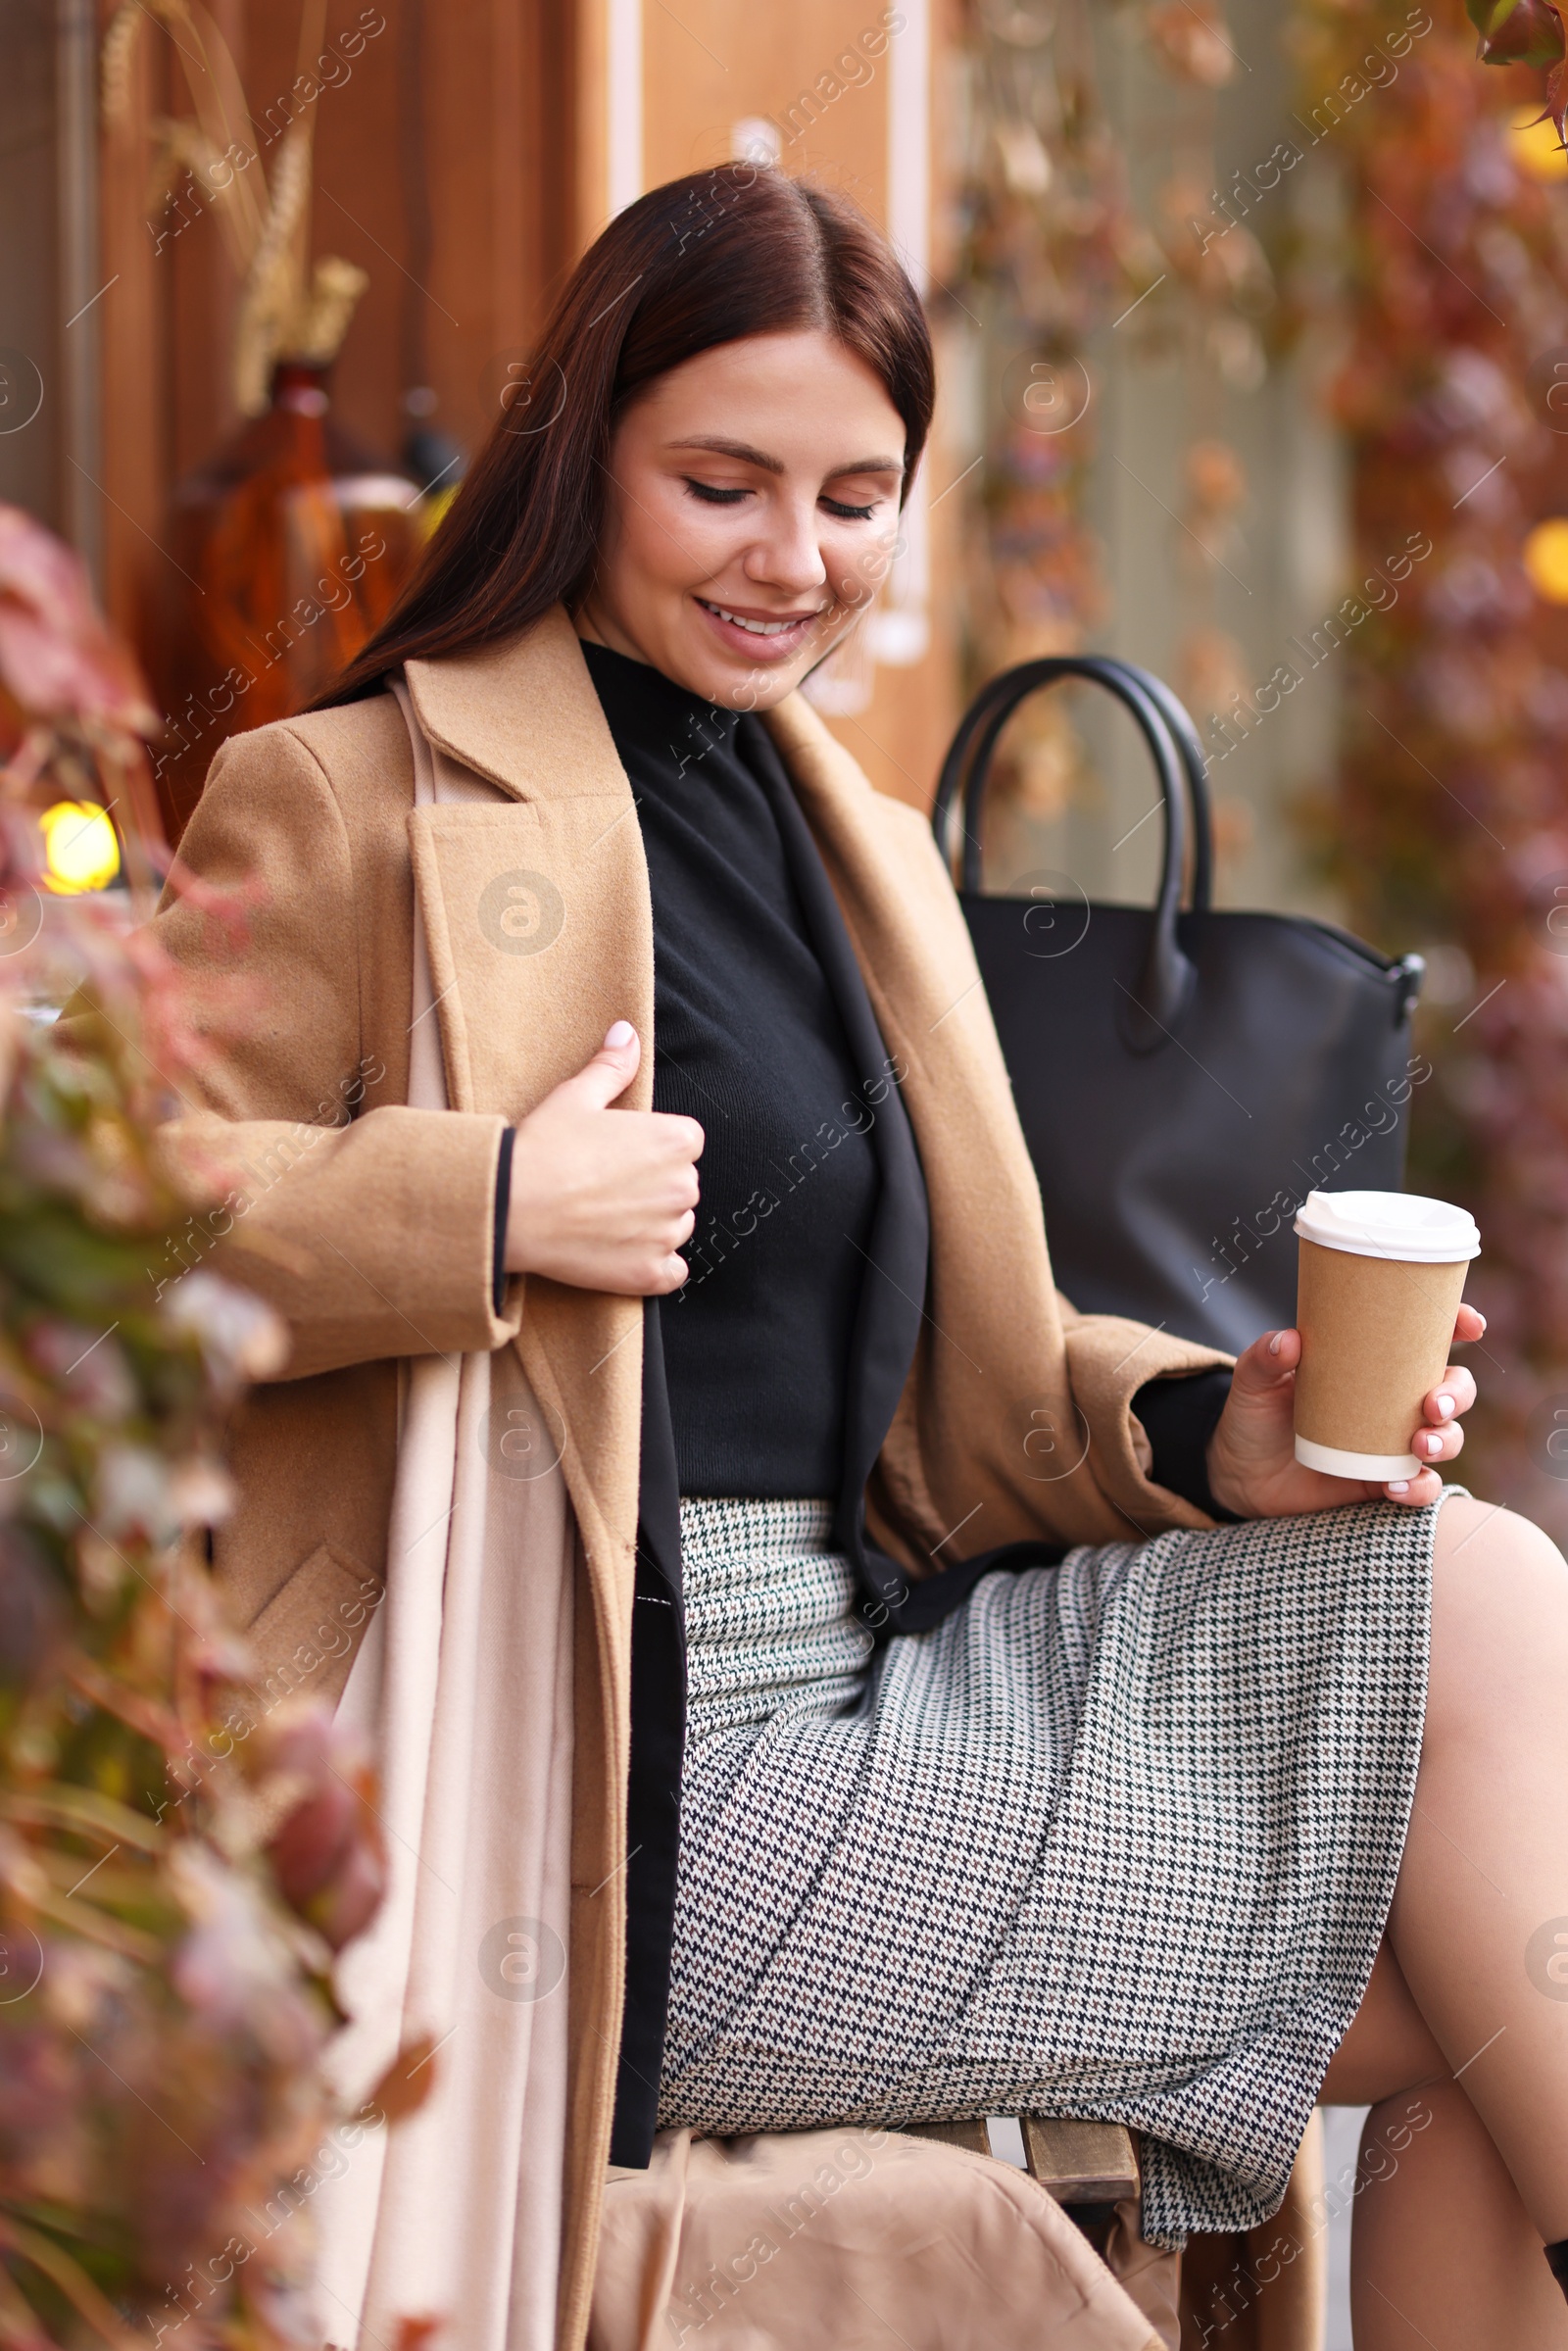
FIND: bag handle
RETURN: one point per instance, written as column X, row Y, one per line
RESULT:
column 1151, row 1012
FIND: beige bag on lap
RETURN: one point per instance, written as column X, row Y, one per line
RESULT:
column 851, row 2238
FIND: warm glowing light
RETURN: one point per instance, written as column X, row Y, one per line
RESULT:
column 1533, row 145
column 80, row 851
column 1545, row 559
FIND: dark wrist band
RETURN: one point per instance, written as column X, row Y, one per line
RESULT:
column 498, row 1274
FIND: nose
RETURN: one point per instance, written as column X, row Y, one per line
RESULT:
column 787, row 556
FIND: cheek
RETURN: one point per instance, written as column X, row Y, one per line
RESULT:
column 666, row 544
column 857, row 559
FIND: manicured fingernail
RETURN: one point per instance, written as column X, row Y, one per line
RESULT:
column 1444, row 1405
column 619, row 1032
column 1274, row 1342
column 1398, row 1486
column 1481, row 1319
column 1434, row 1443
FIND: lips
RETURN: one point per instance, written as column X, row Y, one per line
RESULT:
column 761, row 637
column 753, row 627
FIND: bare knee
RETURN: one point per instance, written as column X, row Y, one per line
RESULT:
column 1487, row 1557
column 1500, row 1610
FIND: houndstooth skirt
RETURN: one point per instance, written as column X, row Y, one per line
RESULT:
column 1116, row 1839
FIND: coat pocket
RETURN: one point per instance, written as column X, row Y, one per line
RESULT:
column 304, row 1639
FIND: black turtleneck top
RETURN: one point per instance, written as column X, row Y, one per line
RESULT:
column 749, row 1043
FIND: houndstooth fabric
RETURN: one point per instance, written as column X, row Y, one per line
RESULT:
column 1116, row 1839
column 770, row 1634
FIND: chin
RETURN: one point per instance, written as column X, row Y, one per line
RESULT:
column 738, row 686
column 756, row 694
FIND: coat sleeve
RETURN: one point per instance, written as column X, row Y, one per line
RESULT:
column 370, row 1231
column 1109, row 1359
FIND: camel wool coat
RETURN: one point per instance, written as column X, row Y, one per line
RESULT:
column 369, row 1226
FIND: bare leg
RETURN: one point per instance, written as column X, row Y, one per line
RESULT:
column 1486, row 1865
column 1441, row 2245
column 1441, row 2249
column 1447, row 2242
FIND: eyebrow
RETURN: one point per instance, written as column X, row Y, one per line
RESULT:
column 721, row 446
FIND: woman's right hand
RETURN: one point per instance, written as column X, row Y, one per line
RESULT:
column 603, row 1198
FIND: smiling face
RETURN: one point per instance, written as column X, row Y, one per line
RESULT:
column 751, row 513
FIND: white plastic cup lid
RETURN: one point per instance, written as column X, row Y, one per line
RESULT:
column 1389, row 1224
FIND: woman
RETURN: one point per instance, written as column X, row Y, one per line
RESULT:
column 979, row 1776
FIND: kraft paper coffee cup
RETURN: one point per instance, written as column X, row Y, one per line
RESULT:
column 1379, row 1282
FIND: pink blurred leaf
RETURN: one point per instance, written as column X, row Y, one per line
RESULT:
column 327, row 1856
column 58, row 658
column 407, row 2082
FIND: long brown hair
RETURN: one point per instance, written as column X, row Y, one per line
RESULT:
column 737, row 251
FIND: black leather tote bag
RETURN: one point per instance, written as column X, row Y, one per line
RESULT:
column 1183, row 1078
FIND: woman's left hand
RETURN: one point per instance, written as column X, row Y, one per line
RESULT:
column 1253, row 1469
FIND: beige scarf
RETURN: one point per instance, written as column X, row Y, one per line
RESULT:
column 463, row 1690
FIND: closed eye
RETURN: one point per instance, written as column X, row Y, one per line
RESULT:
column 711, row 495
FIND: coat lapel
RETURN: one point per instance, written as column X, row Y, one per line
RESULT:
column 534, row 900
column 535, row 906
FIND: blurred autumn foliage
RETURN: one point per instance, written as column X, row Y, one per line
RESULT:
column 177, row 1860
column 1055, row 253
column 1448, row 828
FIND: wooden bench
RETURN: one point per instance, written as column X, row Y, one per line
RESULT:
column 1078, row 2163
